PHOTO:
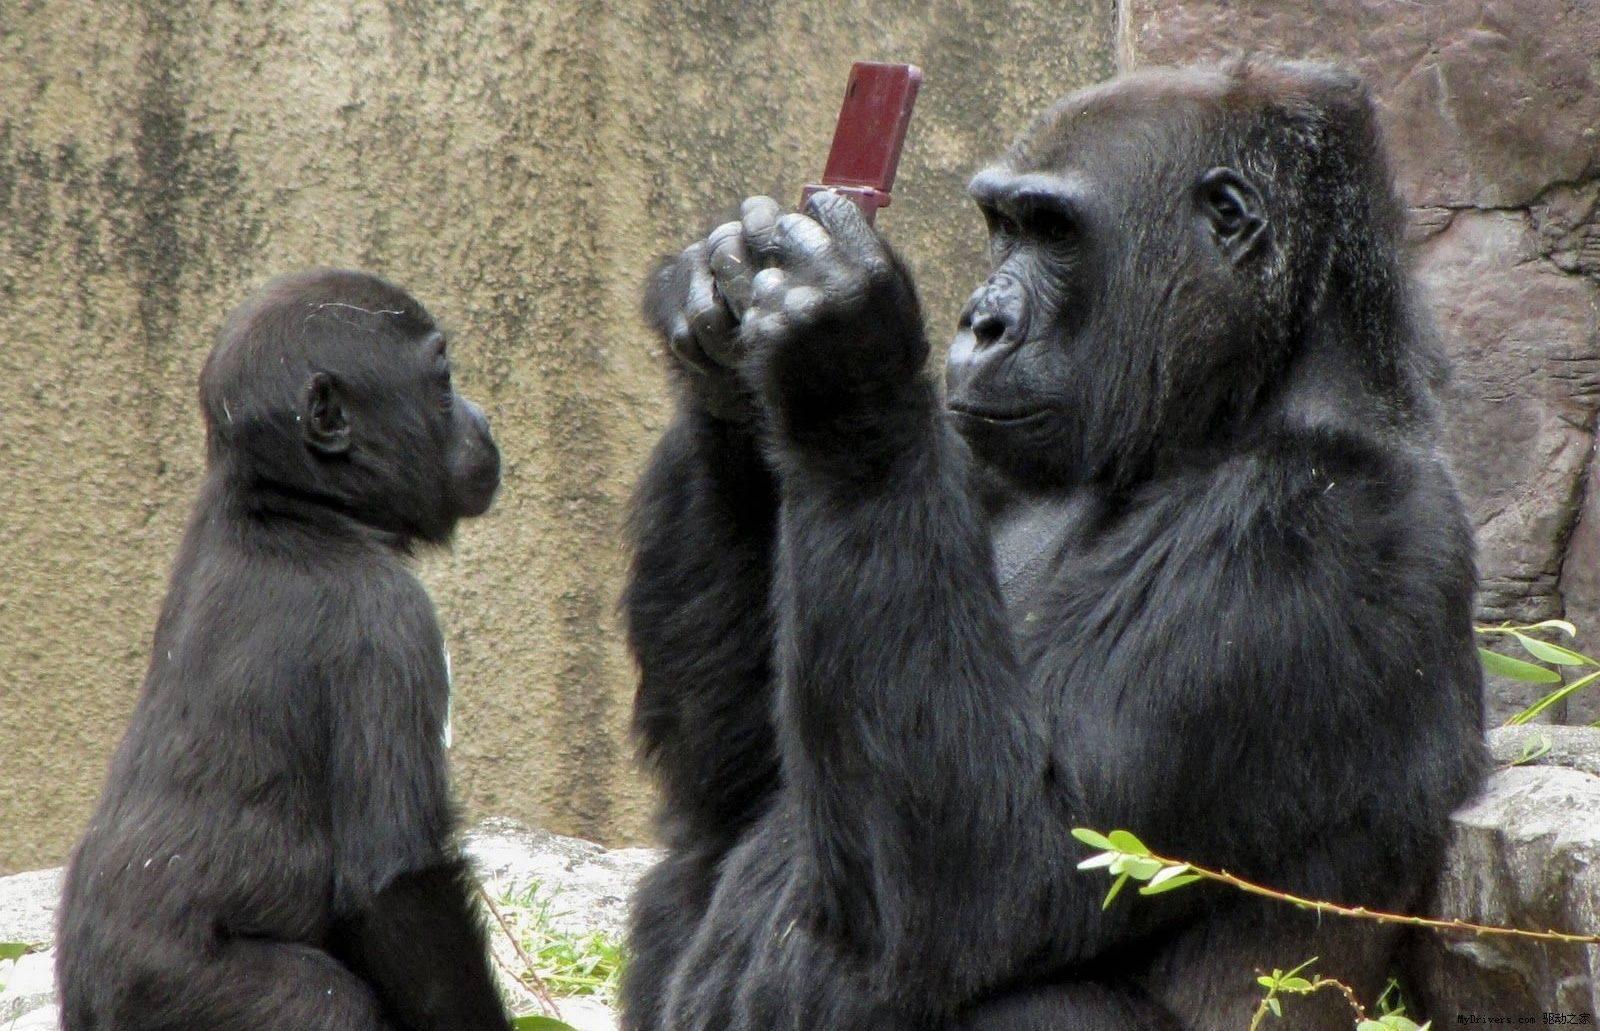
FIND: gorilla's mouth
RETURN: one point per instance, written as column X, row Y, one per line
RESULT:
column 995, row 415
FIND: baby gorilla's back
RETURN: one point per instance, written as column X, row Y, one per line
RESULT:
column 273, row 846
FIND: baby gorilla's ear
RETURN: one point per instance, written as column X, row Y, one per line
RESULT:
column 322, row 418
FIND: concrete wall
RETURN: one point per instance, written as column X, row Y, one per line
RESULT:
column 515, row 165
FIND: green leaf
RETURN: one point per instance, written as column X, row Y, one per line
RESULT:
column 1396, row 1022
column 1169, row 873
column 540, row 1022
column 1294, row 984
column 1276, row 1007
column 1267, row 981
column 1516, row 669
column 1171, row 883
column 1115, row 888
column 1534, row 747
column 1098, row 860
column 15, row 950
column 1142, row 868
column 1122, row 841
column 1555, row 624
column 1550, row 699
column 1553, row 653
column 1094, row 839
column 1370, row 1025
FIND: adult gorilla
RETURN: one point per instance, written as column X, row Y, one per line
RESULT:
column 1176, row 554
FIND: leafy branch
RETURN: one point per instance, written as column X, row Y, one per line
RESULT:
column 1128, row 858
column 1297, row 982
column 1533, row 673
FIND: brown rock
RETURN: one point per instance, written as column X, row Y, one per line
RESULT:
column 1523, row 856
column 1519, row 412
column 1486, row 103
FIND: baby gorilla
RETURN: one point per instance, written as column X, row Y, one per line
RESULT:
column 273, row 848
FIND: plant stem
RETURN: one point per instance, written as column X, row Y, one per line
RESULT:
column 537, row 983
column 1363, row 913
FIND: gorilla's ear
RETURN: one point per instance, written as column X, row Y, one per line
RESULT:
column 323, row 420
column 1232, row 205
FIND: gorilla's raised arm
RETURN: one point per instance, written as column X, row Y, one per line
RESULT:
column 696, row 607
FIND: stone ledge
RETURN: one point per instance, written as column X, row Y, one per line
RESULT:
column 1526, row 853
column 590, row 886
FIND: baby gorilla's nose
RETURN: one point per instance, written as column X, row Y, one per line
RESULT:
column 478, row 465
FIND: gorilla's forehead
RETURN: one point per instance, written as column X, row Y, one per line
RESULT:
column 1144, row 115
column 325, row 300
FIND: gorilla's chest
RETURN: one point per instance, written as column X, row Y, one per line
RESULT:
column 1031, row 539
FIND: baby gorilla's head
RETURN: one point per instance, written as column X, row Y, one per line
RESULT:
column 334, row 387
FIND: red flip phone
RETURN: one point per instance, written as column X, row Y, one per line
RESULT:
column 870, row 132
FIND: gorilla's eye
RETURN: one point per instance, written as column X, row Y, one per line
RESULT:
column 1226, row 210
column 1233, row 208
column 1051, row 226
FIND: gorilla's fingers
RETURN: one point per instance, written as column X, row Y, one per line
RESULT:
column 709, row 319
column 759, row 216
column 802, row 304
column 767, row 327
column 731, row 267
column 851, row 234
column 684, row 345
column 767, row 290
column 802, row 242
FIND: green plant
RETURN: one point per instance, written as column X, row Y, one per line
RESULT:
column 1126, row 857
column 566, row 963
column 1302, row 981
column 10, row 952
column 540, row 1022
column 1552, row 655
column 1536, row 746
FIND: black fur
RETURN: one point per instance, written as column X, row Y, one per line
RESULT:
column 1177, row 554
column 273, row 848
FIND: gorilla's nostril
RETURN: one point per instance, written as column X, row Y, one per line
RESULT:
column 989, row 327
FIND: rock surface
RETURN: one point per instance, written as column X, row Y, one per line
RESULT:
column 28, row 906
column 1492, row 113
column 1526, row 854
column 590, row 886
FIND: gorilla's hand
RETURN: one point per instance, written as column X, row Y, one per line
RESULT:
column 695, row 301
column 832, row 320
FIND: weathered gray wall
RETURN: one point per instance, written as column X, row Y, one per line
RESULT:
column 512, row 163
